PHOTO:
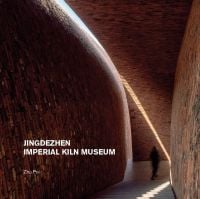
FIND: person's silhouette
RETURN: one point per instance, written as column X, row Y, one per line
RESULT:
column 155, row 159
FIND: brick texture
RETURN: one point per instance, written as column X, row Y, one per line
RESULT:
column 185, row 128
column 143, row 39
column 55, row 84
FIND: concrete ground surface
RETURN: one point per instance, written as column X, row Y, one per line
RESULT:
column 137, row 183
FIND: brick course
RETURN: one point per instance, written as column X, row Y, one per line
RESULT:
column 56, row 84
column 185, row 128
column 143, row 39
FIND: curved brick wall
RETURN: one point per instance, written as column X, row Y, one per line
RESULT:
column 56, row 82
column 143, row 39
column 185, row 127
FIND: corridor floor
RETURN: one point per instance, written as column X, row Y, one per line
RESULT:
column 137, row 183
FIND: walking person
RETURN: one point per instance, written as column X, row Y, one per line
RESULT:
column 155, row 160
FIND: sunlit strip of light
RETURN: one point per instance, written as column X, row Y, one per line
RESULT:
column 76, row 19
column 155, row 191
column 80, row 24
column 143, row 112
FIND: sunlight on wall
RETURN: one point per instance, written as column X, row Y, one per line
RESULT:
column 143, row 112
column 104, row 57
column 67, row 9
column 155, row 191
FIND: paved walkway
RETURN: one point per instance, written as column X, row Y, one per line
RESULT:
column 137, row 183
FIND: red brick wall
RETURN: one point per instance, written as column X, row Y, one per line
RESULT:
column 56, row 83
column 143, row 39
column 185, row 128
